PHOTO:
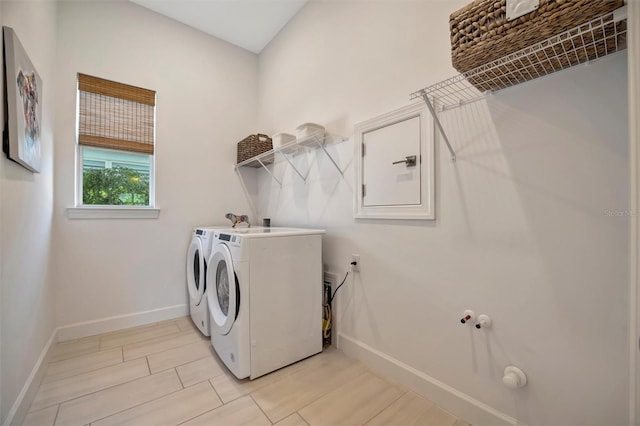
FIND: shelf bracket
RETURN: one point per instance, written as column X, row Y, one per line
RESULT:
column 424, row 96
column 321, row 143
column 286, row 157
column 269, row 171
column 331, row 158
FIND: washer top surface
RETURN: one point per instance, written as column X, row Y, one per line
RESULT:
column 210, row 227
column 262, row 232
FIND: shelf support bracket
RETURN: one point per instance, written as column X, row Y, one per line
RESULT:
column 320, row 144
column 286, row 157
column 269, row 171
column 438, row 125
column 331, row 158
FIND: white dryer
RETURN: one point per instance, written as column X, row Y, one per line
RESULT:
column 197, row 257
column 265, row 297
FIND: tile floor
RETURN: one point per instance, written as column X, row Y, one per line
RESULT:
column 167, row 374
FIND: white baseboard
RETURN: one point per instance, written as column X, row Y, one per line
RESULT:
column 75, row 331
column 452, row 400
column 104, row 325
column 25, row 397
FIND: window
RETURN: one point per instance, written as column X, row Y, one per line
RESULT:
column 111, row 177
column 116, row 141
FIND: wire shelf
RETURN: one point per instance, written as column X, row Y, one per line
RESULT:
column 584, row 43
column 315, row 140
column 286, row 152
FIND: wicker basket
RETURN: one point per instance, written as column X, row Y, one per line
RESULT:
column 480, row 32
column 254, row 145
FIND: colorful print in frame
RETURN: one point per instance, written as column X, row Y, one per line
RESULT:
column 23, row 102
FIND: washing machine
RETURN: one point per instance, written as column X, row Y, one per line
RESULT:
column 265, row 297
column 197, row 257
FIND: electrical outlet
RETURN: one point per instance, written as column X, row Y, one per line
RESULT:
column 355, row 258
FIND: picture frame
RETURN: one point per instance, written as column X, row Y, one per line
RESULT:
column 23, row 105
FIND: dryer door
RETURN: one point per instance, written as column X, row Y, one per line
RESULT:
column 196, row 270
column 223, row 296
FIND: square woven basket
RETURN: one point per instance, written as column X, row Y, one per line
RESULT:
column 481, row 33
column 254, row 145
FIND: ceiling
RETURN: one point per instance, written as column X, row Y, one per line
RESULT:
column 250, row 24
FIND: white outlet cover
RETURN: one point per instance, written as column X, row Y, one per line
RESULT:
column 517, row 8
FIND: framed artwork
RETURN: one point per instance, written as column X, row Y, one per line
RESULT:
column 23, row 105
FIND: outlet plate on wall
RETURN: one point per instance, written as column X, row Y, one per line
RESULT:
column 355, row 258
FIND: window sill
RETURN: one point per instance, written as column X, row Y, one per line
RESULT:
column 112, row 212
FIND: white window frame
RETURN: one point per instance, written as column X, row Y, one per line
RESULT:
column 79, row 181
column 91, row 211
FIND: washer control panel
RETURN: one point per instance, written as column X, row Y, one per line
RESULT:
column 204, row 236
column 221, row 236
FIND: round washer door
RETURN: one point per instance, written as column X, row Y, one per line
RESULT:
column 223, row 294
column 196, row 270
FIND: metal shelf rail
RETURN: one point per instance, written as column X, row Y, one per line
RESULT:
column 585, row 43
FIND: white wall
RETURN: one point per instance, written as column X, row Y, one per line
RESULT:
column 633, row 28
column 2, row 410
column 26, row 201
column 206, row 102
column 521, row 231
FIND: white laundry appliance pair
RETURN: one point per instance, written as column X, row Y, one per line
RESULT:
column 264, row 297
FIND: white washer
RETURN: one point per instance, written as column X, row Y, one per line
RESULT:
column 197, row 257
column 265, row 297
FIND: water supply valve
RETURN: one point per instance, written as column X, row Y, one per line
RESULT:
column 484, row 321
column 467, row 316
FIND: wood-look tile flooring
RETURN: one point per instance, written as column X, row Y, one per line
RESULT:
column 167, row 374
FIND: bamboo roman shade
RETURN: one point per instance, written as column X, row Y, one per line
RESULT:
column 115, row 115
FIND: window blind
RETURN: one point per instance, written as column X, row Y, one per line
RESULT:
column 115, row 115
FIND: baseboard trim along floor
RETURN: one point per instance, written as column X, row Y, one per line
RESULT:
column 120, row 322
column 75, row 331
column 23, row 402
column 452, row 400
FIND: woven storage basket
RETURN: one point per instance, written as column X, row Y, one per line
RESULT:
column 480, row 32
column 254, row 145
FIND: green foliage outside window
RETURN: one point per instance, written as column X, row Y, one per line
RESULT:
column 115, row 186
